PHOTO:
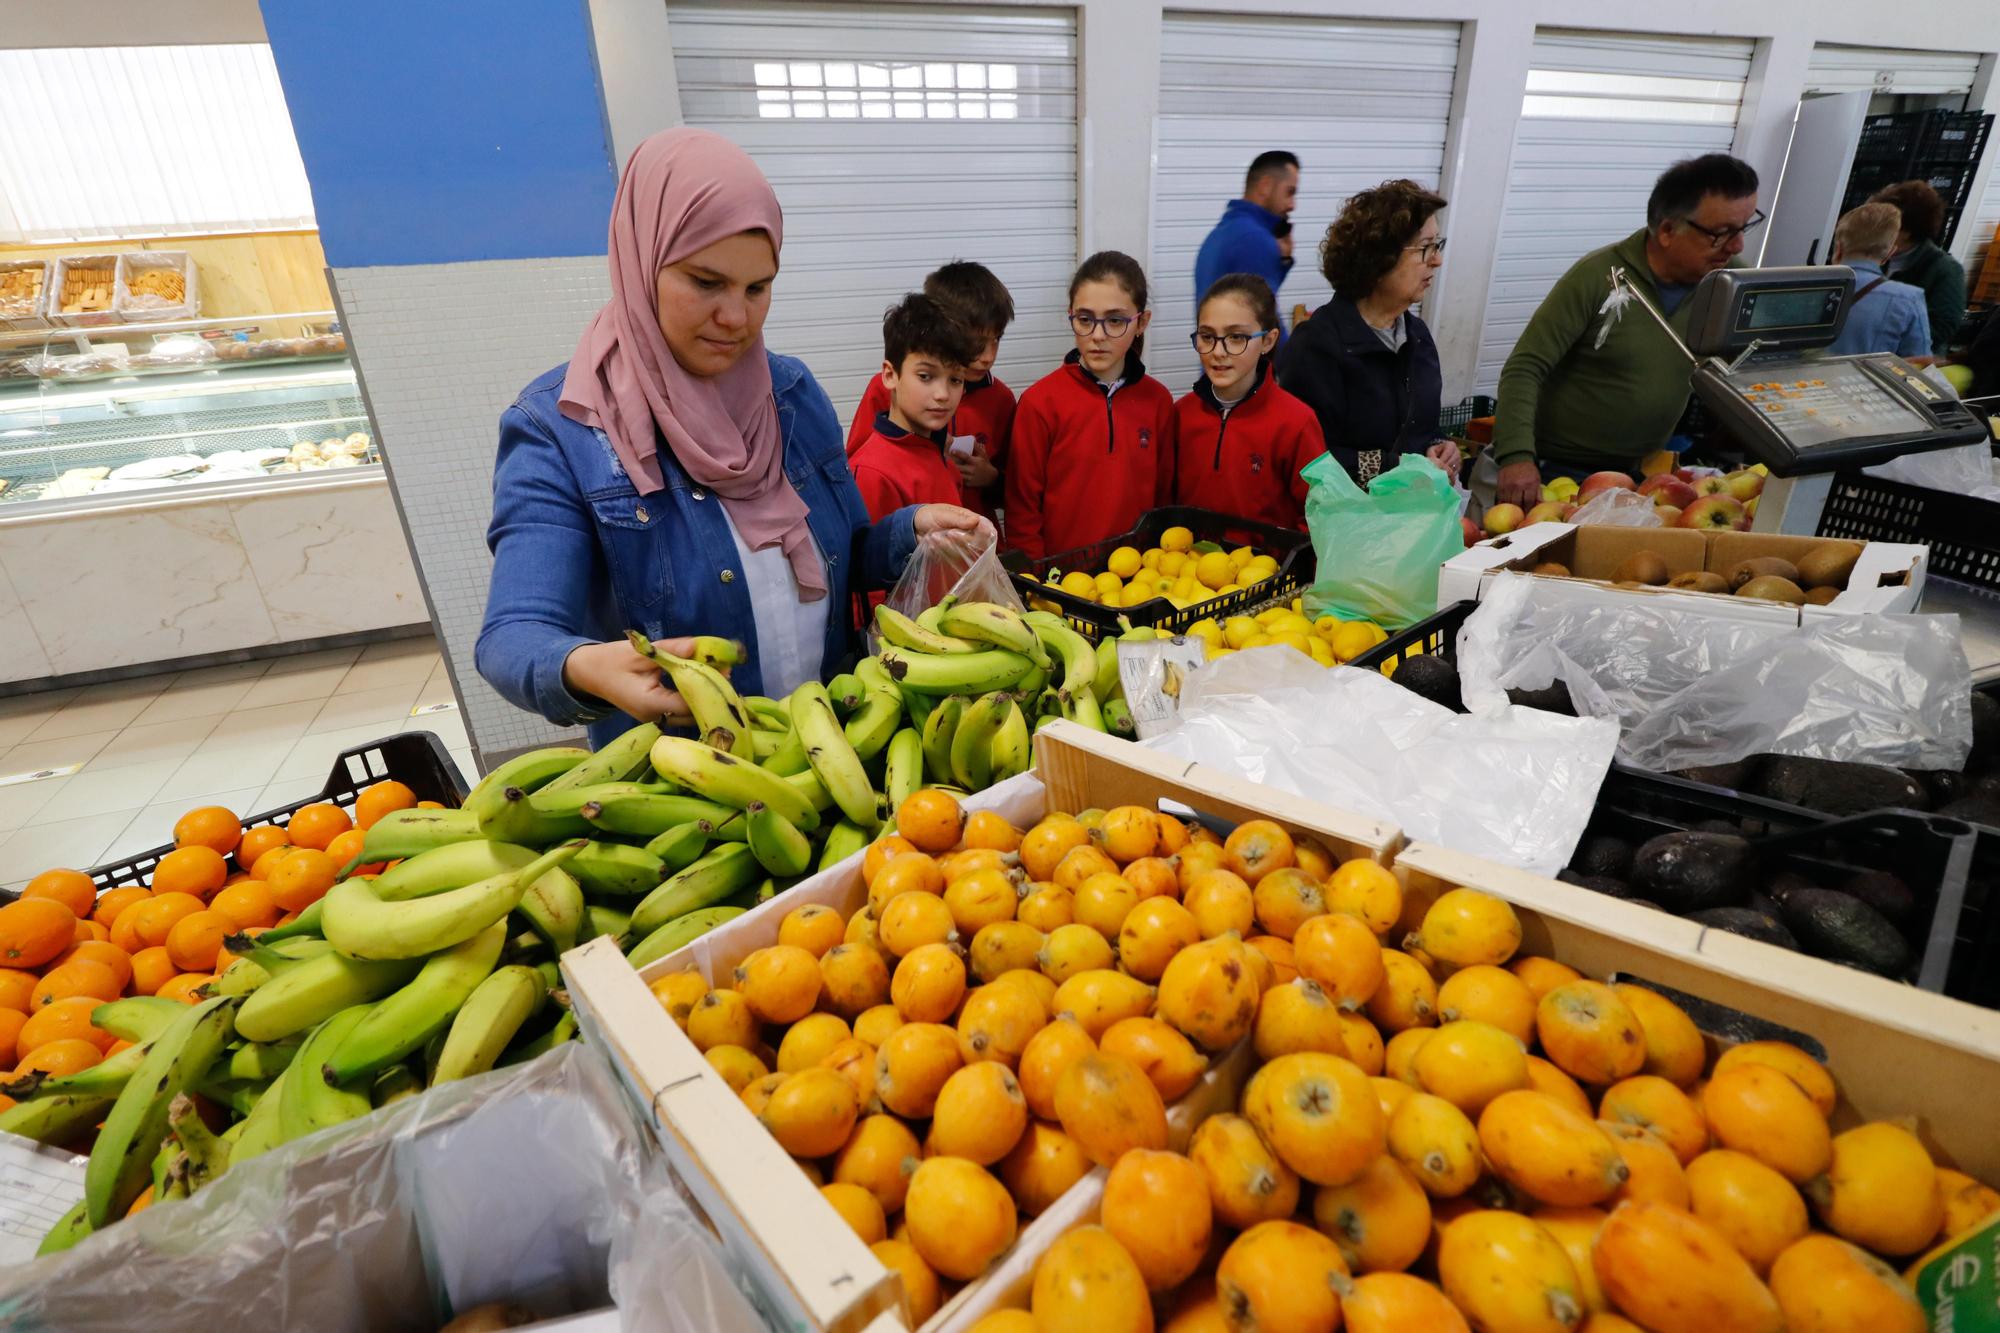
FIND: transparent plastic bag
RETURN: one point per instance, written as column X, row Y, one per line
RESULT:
column 1963, row 471
column 533, row 1185
column 1515, row 786
column 1378, row 550
column 1690, row 689
column 950, row 563
column 1618, row 508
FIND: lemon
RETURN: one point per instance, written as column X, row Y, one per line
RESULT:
column 1239, row 628
column 1290, row 622
column 1259, row 569
column 1258, row 640
column 1079, row 584
column 1172, row 563
column 1291, row 638
column 1214, row 569
column 1177, row 539
column 1214, row 653
column 1205, row 626
column 1241, row 556
column 1109, row 582
column 1321, row 653
column 1125, row 562
column 1228, row 588
column 1269, row 614
column 1327, row 624
column 1353, row 639
column 1114, row 596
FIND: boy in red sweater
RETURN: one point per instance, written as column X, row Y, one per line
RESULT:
column 906, row 459
column 1093, row 439
column 985, row 415
column 1239, row 439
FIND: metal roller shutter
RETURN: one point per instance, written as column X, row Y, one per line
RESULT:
column 1603, row 115
column 1358, row 102
column 962, row 145
column 1871, row 69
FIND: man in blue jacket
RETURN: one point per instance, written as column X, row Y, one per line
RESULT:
column 1255, row 234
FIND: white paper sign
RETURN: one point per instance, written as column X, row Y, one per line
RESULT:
column 37, row 1186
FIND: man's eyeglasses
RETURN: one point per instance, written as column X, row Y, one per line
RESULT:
column 1235, row 344
column 1114, row 326
column 1428, row 250
column 1720, row 237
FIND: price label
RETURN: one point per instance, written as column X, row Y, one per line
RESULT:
column 37, row 1186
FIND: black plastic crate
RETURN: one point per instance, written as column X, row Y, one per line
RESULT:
column 1293, row 550
column 1436, row 636
column 1890, row 138
column 1454, row 420
column 1963, row 533
column 417, row 759
column 1955, row 136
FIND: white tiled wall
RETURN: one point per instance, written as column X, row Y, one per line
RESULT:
column 442, row 350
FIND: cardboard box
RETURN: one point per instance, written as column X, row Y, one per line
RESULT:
column 1889, row 576
column 813, row 1272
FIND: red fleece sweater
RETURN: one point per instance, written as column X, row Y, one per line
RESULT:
column 986, row 413
column 1246, row 462
column 894, row 467
column 1084, row 464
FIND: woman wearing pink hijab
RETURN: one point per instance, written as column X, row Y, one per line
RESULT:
column 676, row 477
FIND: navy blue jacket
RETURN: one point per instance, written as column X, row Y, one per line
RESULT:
column 1245, row 241
column 1366, row 396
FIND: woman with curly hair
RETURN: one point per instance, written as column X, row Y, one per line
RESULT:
column 1365, row 362
column 1920, row 261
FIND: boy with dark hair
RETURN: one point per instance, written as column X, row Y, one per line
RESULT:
column 905, row 459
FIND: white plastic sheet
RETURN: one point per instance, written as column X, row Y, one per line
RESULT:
column 1691, row 689
column 1967, row 470
column 1618, row 508
column 1516, row 785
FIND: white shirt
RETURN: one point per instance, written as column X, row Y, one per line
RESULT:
column 791, row 634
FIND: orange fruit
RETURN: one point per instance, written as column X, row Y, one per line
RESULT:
column 86, row 929
column 155, row 919
column 430, row 805
column 347, row 846
column 381, row 799
column 184, row 987
column 246, row 903
column 931, row 820
column 151, row 969
column 16, row 985
column 301, row 879
column 209, row 826
column 57, row 1058
column 223, row 957
column 97, row 951
column 81, row 977
column 112, row 902
column 271, row 860
column 34, row 930
column 11, row 1023
column 72, row 888
column 318, row 824
column 62, row 1021
column 125, row 932
column 257, row 841
column 196, row 939
column 198, row 871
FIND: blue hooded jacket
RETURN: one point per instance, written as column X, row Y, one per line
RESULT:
column 1245, row 241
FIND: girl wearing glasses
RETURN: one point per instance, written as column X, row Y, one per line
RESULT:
column 1093, row 439
column 1365, row 362
column 1239, row 438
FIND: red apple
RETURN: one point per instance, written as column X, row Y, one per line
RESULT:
column 1604, row 481
column 1711, row 511
column 1711, row 486
column 1502, row 518
column 1667, row 489
column 1745, row 485
column 1685, row 474
column 1473, row 536
column 1670, row 515
column 1750, row 507
column 1548, row 511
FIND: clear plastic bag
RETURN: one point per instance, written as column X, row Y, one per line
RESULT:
column 1378, row 550
column 1618, row 508
column 950, row 563
column 1516, row 786
column 1963, row 471
column 533, row 1185
column 1689, row 689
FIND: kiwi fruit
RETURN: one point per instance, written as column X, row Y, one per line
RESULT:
column 1828, row 565
column 1554, row 569
column 1699, row 580
column 1759, row 567
column 1772, row 588
column 1821, row 596
column 1641, row 567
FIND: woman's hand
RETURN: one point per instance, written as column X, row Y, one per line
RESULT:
column 1445, row 454
column 942, row 519
column 976, row 470
column 628, row 682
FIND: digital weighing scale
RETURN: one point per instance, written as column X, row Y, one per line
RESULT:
column 1806, row 417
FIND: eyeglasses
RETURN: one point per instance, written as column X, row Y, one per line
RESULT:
column 1428, row 250
column 1235, row 344
column 1114, row 326
column 1721, row 237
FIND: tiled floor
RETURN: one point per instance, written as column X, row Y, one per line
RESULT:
column 249, row 736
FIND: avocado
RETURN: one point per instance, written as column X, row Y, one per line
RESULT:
column 1602, row 854
column 1609, row 885
column 1779, row 887
column 1745, row 922
column 1887, row 894
column 1718, row 826
column 1431, row 677
column 1974, row 809
column 1942, row 785
column 1987, row 788
column 1837, row 787
column 1985, row 731
column 1840, row 927
column 1550, row 699
column 1734, row 776
column 1686, row 872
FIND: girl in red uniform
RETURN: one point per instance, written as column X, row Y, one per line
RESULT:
column 1239, row 439
column 1093, row 439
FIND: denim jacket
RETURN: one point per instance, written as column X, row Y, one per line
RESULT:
column 579, row 556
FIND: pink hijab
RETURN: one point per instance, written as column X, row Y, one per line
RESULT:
column 683, row 191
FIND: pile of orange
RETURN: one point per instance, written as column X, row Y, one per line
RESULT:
column 65, row 948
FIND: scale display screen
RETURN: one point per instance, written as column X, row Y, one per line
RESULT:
column 1797, row 309
column 1778, row 309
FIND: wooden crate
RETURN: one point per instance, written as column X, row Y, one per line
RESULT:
column 810, row 1270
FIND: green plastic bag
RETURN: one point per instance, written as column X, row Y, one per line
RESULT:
column 1379, row 549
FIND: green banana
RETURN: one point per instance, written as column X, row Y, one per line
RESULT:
column 55, row 1117
column 393, row 1084
column 931, row 615
column 106, row 1078
column 405, row 833
column 766, row 744
column 872, row 724
column 554, row 908
column 718, row 776
column 1118, row 719
column 842, row 841
column 606, row 921
column 778, row 846
column 846, row 691
column 69, row 1229
column 899, row 631
column 767, row 714
column 511, row 816
column 903, row 771
column 530, row 772
column 707, row 692
column 708, row 881
column 677, row 934
column 260, row 1060
column 649, row 814
column 239, row 1095
column 1105, row 681
column 310, row 1103
column 121, row 1161
column 616, row 761
column 830, row 752
column 1001, row 626
column 962, row 673
column 972, row 743
column 1082, row 707
column 808, row 785
column 564, row 1029
column 1010, row 745
column 487, row 1022
column 1075, row 653
column 361, row 924
column 612, row 868
column 444, row 868
column 918, row 707
column 207, row 1156
column 257, row 1133
column 790, row 755
column 715, row 651
column 136, row 1017
column 571, row 800
column 875, row 678
column 314, row 991
column 679, row 845
column 399, row 1025
column 938, row 732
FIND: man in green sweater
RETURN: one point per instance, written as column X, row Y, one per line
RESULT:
column 1577, row 396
